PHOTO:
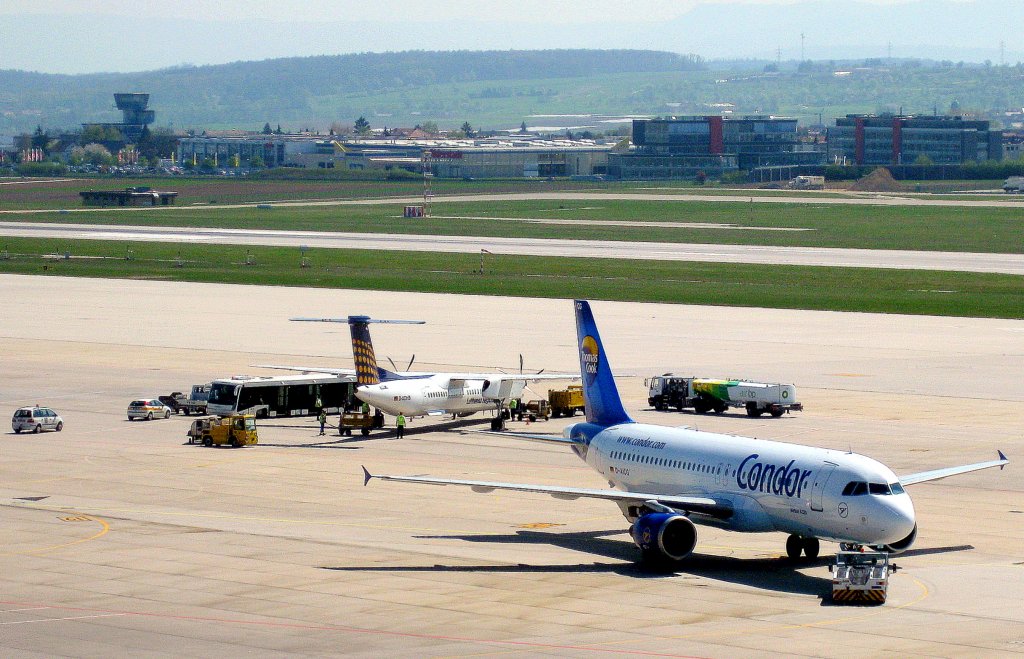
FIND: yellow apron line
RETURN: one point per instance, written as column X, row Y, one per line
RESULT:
column 103, row 531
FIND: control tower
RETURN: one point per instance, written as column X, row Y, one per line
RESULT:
column 135, row 115
column 133, row 107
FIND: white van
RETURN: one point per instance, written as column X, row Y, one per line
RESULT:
column 36, row 419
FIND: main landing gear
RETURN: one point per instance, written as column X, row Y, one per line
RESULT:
column 809, row 547
column 498, row 422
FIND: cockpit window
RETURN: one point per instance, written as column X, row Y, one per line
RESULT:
column 879, row 488
column 856, row 489
column 896, row 488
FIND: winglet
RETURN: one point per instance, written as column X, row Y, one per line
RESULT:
column 366, row 476
column 1003, row 458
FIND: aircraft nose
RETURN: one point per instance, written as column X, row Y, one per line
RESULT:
column 901, row 515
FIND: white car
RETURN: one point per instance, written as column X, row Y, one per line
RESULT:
column 36, row 419
column 148, row 409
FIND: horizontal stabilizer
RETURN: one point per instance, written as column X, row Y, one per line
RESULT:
column 538, row 437
column 308, row 369
column 358, row 319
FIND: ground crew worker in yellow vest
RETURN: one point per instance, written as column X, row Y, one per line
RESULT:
column 323, row 420
column 365, row 408
column 400, row 425
column 512, row 405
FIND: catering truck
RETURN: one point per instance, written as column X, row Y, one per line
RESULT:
column 704, row 395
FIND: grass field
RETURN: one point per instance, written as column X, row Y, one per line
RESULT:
column 992, row 230
column 28, row 194
column 839, row 289
column 62, row 193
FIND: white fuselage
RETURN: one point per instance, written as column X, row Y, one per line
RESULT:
column 438, row 394
column 771, row 486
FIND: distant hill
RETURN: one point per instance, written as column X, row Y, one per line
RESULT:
column 576, row 89
column 290, row 90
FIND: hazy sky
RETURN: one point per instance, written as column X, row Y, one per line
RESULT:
column 77, row 36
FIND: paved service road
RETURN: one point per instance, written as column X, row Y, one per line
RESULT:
column 808, row 256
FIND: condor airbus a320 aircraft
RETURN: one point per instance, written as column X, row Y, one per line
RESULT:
column 423, row 394
column 666, row 480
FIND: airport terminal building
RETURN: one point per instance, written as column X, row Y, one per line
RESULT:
column 514, row 157
column 683, row 147
column 859, row 139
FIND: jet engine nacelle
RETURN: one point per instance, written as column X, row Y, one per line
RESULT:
column 669, row 536
column 496, row 389
column 902, row 545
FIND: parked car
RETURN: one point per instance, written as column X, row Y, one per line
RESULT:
column 36, row 419
column 148, row 409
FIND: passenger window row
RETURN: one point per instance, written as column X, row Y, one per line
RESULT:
column 666, row 462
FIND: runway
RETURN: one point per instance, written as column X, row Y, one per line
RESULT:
column 806, row 256
column 120, row 539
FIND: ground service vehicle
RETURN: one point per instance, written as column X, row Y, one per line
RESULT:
column 281, row 395
column 860, row 576
column 36, row 419
column 360, row 421
column 148, row 409
column 708, row 394
column 180, row 403
column 1014, row 184
column 531, row 410
column 808, row 183
column 566, row 402
column 236, row 430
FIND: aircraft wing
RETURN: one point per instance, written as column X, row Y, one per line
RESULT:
column 309, row 369
column 686, row 504
column 936, row 474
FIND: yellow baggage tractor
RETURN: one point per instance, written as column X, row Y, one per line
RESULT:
column 236, row 430
column 360, row 421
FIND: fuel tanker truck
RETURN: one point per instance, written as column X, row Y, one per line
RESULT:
column 704, row 395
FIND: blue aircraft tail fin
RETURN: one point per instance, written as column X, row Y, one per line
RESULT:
column 603, row 405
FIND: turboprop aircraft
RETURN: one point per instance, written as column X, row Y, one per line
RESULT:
column 422, row 394
column 667, row 480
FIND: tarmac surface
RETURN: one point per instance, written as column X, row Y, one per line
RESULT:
column 122, row 540
column 652, row 251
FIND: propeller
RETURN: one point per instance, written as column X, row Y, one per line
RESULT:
column 411, row 360
column 521, row 366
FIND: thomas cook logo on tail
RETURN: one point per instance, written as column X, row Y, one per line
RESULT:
column 590, row 357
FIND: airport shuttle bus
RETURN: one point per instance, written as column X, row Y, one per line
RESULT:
column 282, row 395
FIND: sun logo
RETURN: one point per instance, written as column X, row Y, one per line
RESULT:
column 589, row 357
